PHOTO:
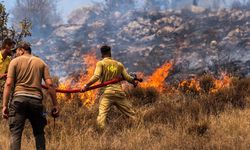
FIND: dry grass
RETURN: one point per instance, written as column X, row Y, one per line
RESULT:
column 165, row 121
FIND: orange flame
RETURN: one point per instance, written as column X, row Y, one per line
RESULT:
column 193, row 85
column 64, row 86
column 224, row 82
column 87, row 97
column 157, row 79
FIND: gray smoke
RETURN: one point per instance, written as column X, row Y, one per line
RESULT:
column 198, row 39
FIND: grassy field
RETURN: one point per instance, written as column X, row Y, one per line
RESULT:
column 166, row 120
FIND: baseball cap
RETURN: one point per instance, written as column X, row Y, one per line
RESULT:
column 22, row 44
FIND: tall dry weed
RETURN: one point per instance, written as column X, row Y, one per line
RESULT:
column 165, row 121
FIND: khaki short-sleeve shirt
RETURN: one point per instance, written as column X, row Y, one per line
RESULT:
column 28, row 72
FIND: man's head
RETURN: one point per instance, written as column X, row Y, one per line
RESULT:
column 106, row 51
column 22, row 48
column 7, row 45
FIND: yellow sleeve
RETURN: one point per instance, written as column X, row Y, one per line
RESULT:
column 1, row 57
column 97, row 73
column 126, row 76
column 7, row 64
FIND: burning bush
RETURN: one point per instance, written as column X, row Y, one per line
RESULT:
column 157, row 79
column 190, row 87
column 235, row 95
column 207, row 83
column 204, row 84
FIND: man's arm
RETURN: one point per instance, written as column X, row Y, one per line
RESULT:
column 6, row 95
column 96, row 76
column 7, row 87
column 51, row 91
column 126, row 76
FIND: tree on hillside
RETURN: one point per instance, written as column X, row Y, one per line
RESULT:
column 42, row 13
column 6, row 32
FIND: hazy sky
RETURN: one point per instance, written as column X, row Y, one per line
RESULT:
column 64, row 6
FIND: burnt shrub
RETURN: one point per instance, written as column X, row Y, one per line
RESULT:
column 165, row 113
column 215, row 103
column 198, row 128
column 235, row 95
column 206, row 83
column 143, row 96
column 239, row 91
column 193, row 109
column 190, row 87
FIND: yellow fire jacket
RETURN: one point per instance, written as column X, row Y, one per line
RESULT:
column 108, row 69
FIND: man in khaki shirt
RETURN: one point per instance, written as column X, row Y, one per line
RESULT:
column 108, row 69
column 26, row 73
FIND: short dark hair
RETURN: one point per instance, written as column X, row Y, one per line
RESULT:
column 7, row 42
column 25, row 46
column 106, row 50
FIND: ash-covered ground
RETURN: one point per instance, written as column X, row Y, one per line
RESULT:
column 195, row 39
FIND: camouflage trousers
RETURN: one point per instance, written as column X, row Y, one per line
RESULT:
column 117, row 99
column 22, row 108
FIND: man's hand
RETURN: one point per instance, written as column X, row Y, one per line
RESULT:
column 85, row 87
column 2, row 76
column 139, row 79
column 136, row 81
column 5, row 112
column 55, row 112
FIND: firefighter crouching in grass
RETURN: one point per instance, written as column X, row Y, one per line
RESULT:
column 26, row 73
column 106, row 70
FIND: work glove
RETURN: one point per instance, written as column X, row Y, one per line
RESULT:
column 136, row 80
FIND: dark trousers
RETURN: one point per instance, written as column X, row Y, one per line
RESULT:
column 22, row 108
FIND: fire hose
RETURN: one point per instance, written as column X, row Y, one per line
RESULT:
column 88, row 89
column 116, row 80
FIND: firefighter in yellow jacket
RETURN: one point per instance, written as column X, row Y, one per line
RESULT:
column 5, row 58
column 106, row 70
